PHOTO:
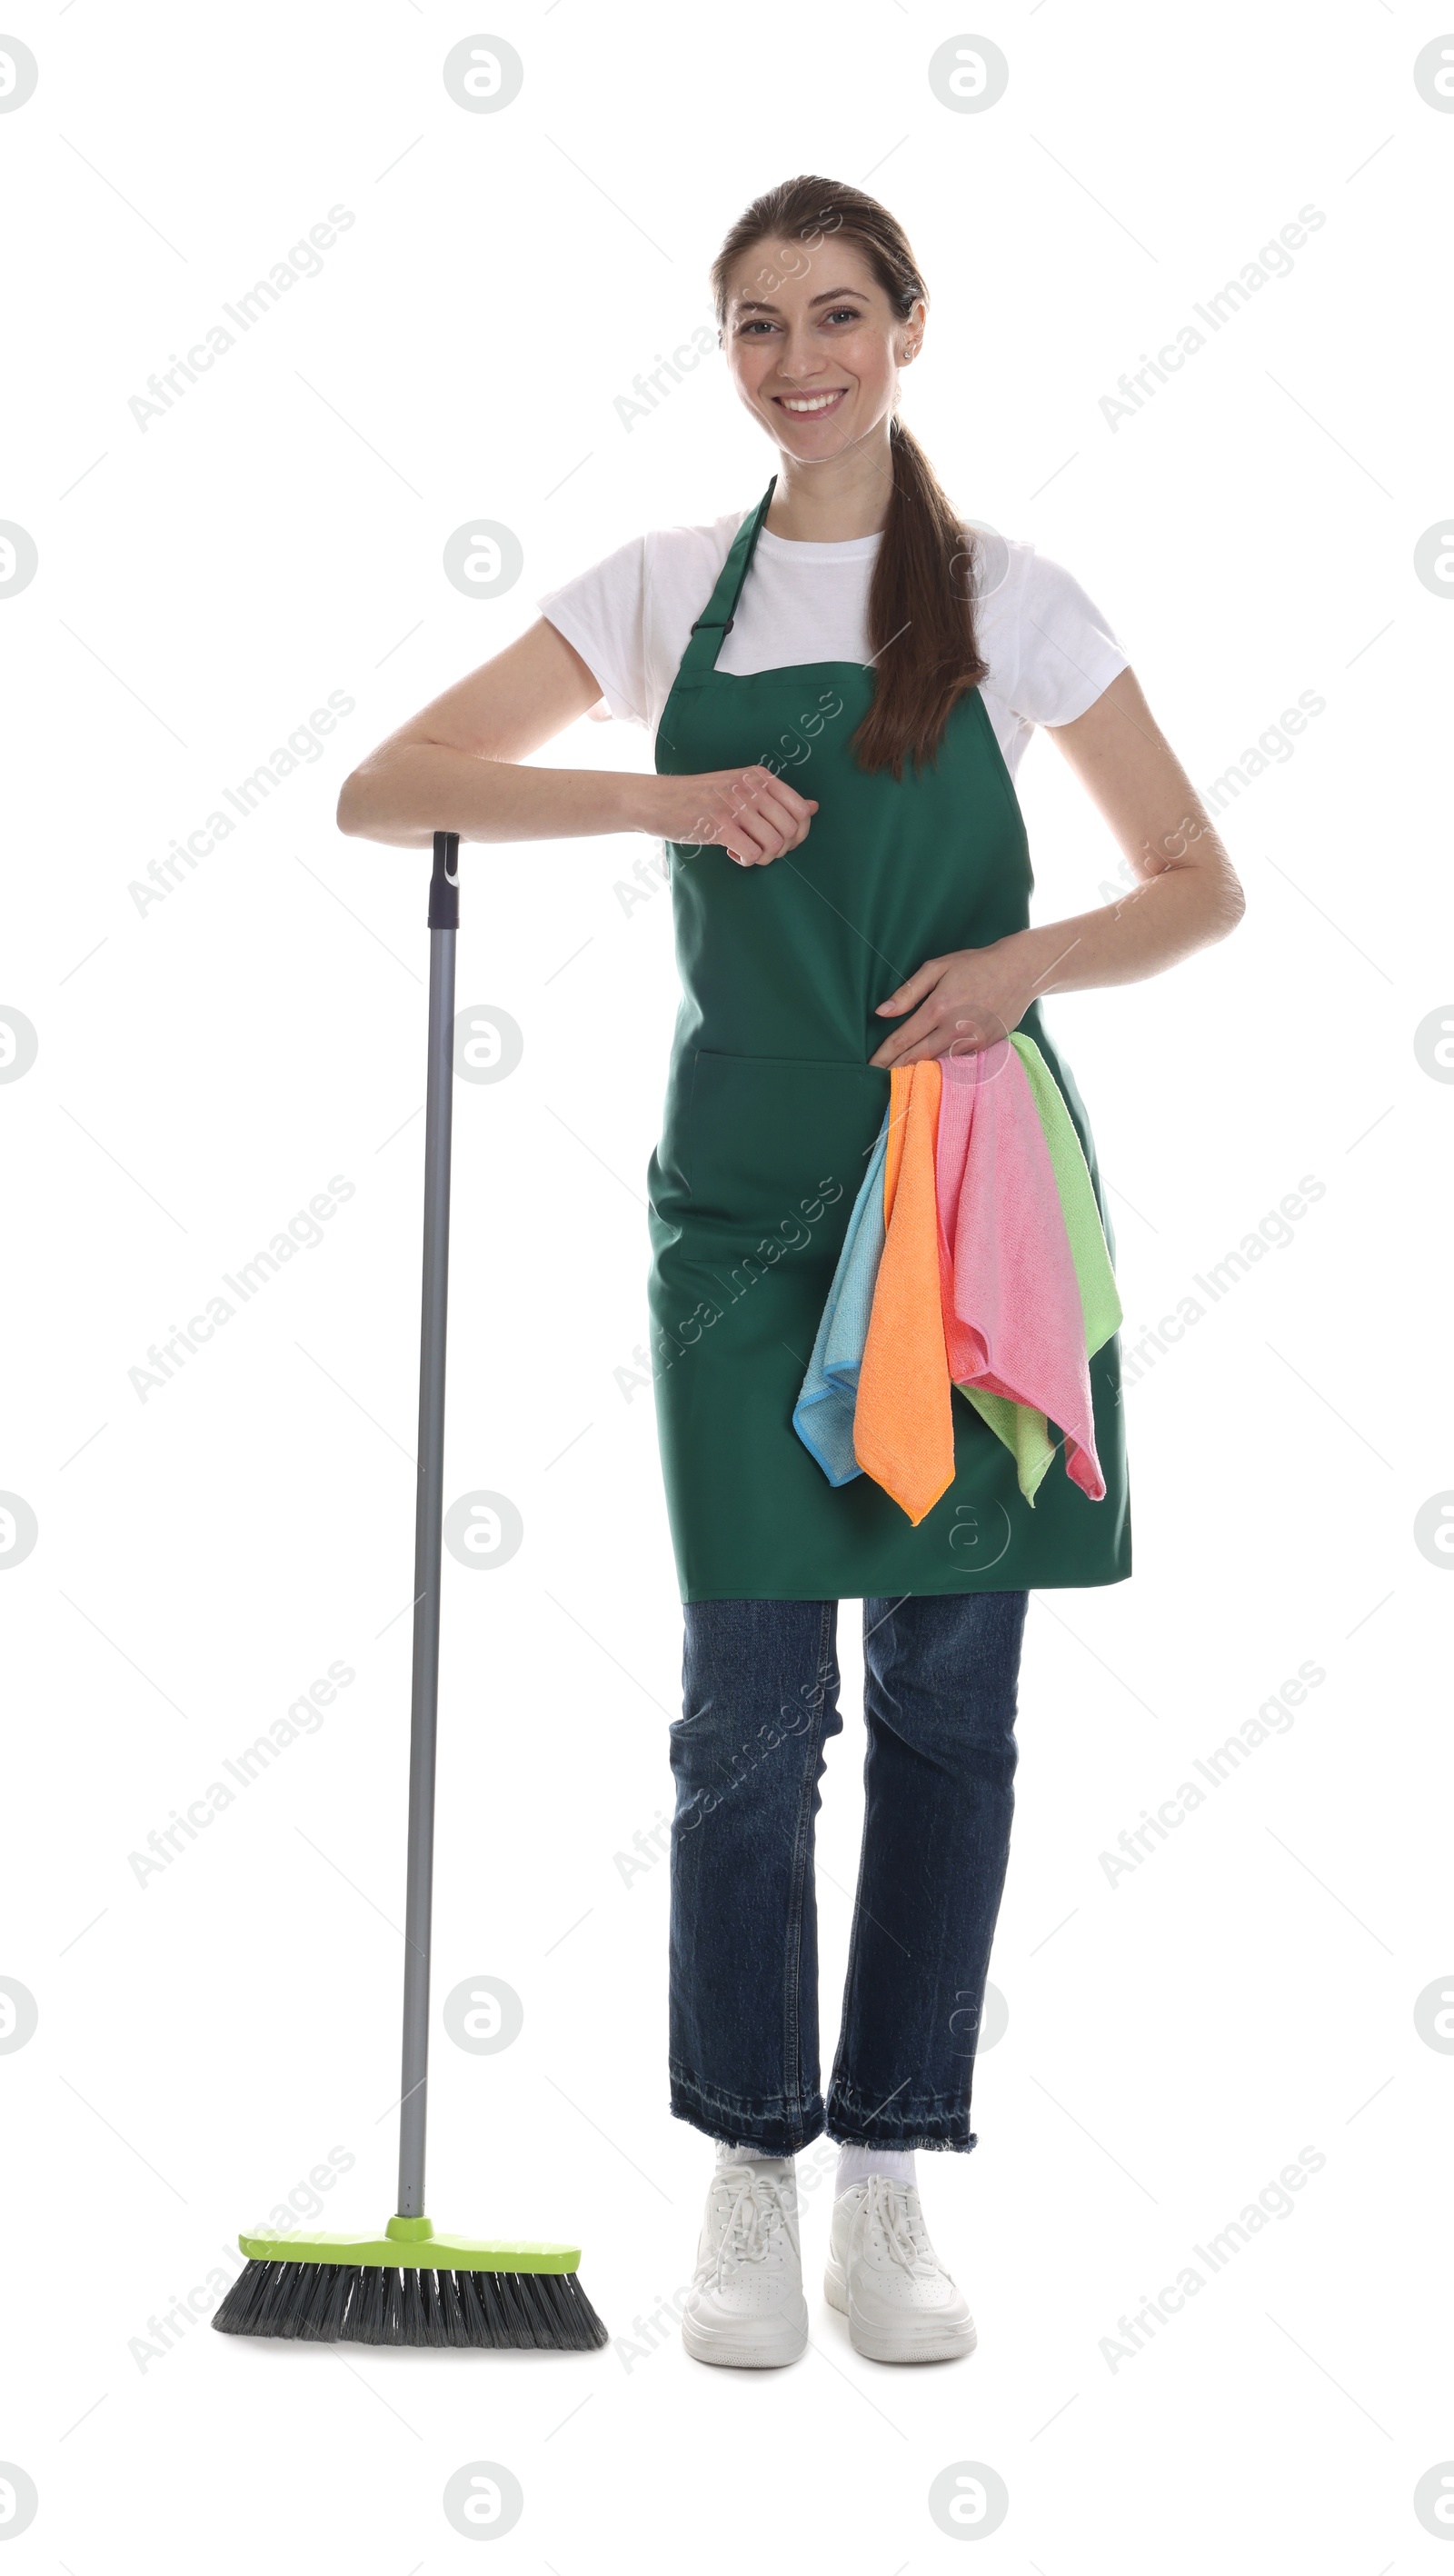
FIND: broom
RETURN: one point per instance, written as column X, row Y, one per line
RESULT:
column 410, row 2286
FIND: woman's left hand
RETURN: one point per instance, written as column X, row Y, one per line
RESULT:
column 965, row 1001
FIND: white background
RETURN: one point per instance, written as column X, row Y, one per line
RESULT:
column 206, row 1066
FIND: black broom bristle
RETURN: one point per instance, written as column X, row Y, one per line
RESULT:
column 397, row 2307
column 328, row 2306
column 450, row 2312
column 456, row 2311
column 364, row 2314
column 479, row 2309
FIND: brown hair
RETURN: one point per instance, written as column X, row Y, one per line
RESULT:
column 921, row 598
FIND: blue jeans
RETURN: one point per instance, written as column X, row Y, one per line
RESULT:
column 760, row 1699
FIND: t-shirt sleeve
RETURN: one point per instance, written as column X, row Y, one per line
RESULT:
column 1064, row 650
column 600, row 612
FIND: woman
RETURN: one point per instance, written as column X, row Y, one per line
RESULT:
column 840, row 682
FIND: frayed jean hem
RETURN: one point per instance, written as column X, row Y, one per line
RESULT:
column 903, row 2141
column 930, row 2123
column 778, row 2128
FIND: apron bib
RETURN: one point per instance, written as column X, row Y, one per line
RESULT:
column 771, row 1112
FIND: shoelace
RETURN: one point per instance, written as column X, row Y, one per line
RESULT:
column 904, row 2231
column 754, row 2218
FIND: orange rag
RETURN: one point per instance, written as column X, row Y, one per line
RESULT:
column 903, row 1426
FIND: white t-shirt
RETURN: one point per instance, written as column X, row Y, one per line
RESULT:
column 1049, row 649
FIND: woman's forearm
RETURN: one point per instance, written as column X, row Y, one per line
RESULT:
column 1152, row 925
column 406, row 792
column 974, row 996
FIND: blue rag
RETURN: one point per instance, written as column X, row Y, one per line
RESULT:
column 823, row 1414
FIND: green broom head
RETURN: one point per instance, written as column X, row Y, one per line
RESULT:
column 409, row 2286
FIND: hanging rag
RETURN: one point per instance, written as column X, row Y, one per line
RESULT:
column 903, row 1424
column 1099, row 1297
column 1022, row 1428
column 1013, row 1318
column 823, row 1414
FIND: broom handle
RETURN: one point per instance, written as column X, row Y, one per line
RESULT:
column 429, row 1515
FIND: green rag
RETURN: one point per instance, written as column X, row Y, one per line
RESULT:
column 1024, row 1431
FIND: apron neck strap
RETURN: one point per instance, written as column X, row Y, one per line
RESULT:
column 705, row 641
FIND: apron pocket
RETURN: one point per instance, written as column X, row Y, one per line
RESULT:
column 773, row 1140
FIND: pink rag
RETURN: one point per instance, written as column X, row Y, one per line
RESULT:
column 1013, row 1320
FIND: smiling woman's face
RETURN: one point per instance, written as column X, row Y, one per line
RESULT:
column 814, row 345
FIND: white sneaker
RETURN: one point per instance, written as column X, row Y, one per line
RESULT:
column 747, row 2306
column 885, row 2277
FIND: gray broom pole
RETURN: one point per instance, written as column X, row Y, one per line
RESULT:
column 428, row 1522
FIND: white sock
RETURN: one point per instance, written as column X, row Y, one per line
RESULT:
column 730, row 2154
column 855, row 2164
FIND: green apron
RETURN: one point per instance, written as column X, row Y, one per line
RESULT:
column 772, row 1109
